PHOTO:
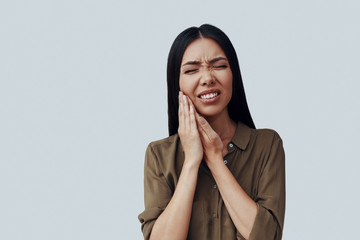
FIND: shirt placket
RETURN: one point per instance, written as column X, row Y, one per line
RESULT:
column 218, row 202
column 215, row 196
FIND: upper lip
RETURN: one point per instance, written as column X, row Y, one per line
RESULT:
column 209, row 91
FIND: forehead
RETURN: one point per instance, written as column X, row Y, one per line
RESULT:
column 202, row 49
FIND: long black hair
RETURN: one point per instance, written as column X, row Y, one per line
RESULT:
column 237, row 107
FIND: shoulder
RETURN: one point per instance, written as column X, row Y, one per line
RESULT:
column 166, row 155
column 166, row 148
column 264, row 140
column 164, row 143
column 266, row 144
column 265, row 134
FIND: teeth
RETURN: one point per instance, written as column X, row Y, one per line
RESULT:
column 209, row 95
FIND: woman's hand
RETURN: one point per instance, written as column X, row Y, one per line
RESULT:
column 188, row 132
column 211, row 141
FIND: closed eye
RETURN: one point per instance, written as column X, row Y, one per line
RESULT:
column 220, row 66
column 190, row 71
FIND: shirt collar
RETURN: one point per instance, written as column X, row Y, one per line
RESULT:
column 242, row 135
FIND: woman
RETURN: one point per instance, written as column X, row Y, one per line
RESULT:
column 215, row 176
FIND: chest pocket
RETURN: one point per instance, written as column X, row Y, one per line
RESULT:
column 197, row 222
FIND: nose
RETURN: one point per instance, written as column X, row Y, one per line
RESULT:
column 207, row 78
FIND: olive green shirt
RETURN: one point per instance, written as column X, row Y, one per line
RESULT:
column 255, row 158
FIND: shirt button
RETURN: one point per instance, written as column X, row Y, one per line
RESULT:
column 215, row 186
column 231, row 145
column 226, row 162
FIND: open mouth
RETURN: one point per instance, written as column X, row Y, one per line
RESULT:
column 209, row 95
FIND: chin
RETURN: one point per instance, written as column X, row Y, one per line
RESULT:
column 210, row 112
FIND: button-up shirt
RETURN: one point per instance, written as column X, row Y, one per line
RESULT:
column 255, row 158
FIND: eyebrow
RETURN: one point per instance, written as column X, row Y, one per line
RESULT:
column 198, row 62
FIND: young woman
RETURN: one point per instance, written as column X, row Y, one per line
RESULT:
column 215, row 176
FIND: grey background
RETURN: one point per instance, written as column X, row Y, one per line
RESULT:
column 83, row 91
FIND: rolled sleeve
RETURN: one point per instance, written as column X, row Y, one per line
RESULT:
column 157, row 192
column 270, row 199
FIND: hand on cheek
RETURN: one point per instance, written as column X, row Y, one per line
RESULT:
column 211, row 141
column 188, row 132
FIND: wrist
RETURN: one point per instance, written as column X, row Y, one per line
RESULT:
column 190, row 164
column 214, row 160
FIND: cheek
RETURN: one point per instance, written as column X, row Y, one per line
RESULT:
column 229, row 81
column 226, row 80
column 228, row 85
column 187, row 86
column 182, row 84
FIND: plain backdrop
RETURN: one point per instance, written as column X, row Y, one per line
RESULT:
column 83, row 91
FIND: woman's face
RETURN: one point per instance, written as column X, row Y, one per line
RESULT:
column 206, row 77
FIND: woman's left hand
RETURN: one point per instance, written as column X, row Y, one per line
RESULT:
column 211, row 141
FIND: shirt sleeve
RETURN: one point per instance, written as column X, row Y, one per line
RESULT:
column 270, row 199
column 157, row 192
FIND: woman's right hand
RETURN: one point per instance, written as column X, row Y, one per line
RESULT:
column 188, row 132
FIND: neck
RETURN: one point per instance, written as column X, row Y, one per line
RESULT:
column 223, row 125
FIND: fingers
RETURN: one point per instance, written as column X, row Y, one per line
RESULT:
column 181, row 111
column 184, row 112
column 191, row 119
column 193, row 124
column 193, row 113
column 205, row 130
column 188, row 132
column 202, row 127
column 187, row 112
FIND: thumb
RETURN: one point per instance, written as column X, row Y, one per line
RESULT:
column 204, row 127
column 201, row 120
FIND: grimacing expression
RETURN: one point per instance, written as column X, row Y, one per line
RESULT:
column 206, row 77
